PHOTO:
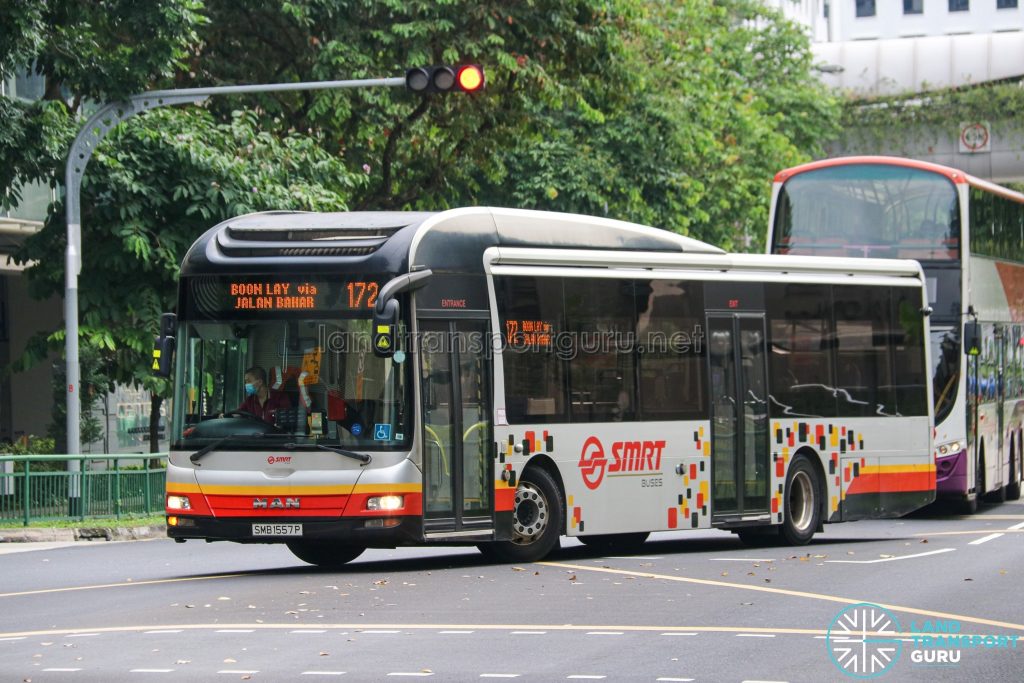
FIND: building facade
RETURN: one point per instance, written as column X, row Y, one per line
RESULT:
column 909, row 48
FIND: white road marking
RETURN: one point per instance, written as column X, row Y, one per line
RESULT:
column 309, row 630
column 677, row 680
column 631, row 557
column 1016, row 527
column 234, row 630
column 586, row 677
column 81, row 635
column 985, row 539
column 380, row 630
column 239, row 671
column 893, row 559
column 411, row 673
column 151, row 671
column 56, row 670
column 604, row 633
column 322, row 673
column 16, row 638
column 163, row 631
column 499, row 675
column 456, row 632
column 741, row 559
column 677, row 633
column 755, row 635
column 528, row 633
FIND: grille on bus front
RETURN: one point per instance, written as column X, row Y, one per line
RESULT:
column 242, row 242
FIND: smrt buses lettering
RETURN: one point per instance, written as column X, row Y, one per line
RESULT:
column 636, row 456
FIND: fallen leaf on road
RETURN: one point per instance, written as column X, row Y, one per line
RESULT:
column 518, row 569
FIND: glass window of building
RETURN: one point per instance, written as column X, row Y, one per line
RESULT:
column 1006, row 4
column 913, row 6
column 959, row 5
column 865, row 8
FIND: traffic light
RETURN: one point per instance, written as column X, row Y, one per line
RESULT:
column 428, row 79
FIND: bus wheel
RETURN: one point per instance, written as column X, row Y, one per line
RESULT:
column 536, row 521
column 617, row 543
column 325, row 554
column 1013, row 488
column 802, row 504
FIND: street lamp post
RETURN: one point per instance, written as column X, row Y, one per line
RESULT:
column 96, row 128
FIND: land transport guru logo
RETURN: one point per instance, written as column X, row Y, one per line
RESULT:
column 863, row 640
column 627, row 456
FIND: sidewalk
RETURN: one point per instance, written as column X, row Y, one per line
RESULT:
column 85, row 533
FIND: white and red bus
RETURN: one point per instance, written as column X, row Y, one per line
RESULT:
column 503, row 377
column 968, row 234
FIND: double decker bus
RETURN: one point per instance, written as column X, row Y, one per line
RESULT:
column 968, row 234
column 501, row 378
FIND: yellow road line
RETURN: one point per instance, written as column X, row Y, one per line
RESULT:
column 123, row 584
column 790, row 593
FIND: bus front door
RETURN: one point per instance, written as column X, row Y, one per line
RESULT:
column 458, row 481
column 739, row 418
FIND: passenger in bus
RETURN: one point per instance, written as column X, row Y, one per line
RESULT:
column 260, row 400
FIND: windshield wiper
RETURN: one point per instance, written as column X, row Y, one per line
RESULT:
column 361, row 457
column 198, row 455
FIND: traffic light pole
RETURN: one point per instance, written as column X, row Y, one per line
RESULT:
column 96, row 128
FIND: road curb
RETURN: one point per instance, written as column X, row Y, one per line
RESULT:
column 83, row 534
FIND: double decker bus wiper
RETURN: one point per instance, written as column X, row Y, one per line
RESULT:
column 195, row 457
column 361, row 457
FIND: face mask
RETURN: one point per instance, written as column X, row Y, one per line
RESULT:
column 250, row 389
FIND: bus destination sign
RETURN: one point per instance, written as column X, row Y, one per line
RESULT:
column 247, row 296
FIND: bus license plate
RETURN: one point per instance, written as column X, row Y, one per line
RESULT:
column 276, row 529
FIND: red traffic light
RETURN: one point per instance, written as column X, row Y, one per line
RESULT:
column 428, row 79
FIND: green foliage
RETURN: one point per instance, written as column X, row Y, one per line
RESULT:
column 156, row 184
column 29, row 445
column 94, row 383
column 891, row 122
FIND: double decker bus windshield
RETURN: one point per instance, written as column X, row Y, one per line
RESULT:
column 868, row 210
column 267, row 363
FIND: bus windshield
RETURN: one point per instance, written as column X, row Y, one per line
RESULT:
column 306, row 383
column 868, row 210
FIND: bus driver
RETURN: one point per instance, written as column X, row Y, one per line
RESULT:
column 260, row 400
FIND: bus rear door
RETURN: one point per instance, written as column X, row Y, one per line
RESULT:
column 739, row 418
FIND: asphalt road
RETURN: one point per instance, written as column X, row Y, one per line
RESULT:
column 689, row 606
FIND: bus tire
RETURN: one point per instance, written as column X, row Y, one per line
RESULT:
column 1013, row 488
column 617, row 543
column 537, row 520
column 325, row 554
column 802, row 501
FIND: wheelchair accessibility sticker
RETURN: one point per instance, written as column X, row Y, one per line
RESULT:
column 381, row 432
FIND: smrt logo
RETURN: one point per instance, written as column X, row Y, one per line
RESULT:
column 627, row 456
column 274, row 459
column 592, row 462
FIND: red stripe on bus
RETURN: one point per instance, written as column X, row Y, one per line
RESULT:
column 951, row 173
column 892, row 482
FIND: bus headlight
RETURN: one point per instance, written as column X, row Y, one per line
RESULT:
column 385, row 503
column 178, row 503
column 949, row 448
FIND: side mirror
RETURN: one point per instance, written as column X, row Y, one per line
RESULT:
column 163, row 346
column 386, row 310
column 972, row 338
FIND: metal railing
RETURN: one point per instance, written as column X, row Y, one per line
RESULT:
column 105, row 486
